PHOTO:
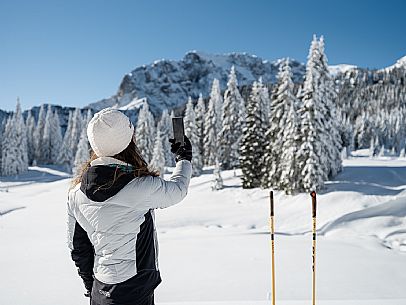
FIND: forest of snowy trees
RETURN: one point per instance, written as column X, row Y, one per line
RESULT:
column 30, row 142
column 287, row 136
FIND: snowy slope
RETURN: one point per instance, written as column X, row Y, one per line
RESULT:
column 400, row 63
column 169, row 83
column 342, row 68
column 214, row 246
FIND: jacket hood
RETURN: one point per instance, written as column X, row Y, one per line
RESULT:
column 97, row 182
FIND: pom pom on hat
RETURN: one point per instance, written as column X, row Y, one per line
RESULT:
column 109, row 132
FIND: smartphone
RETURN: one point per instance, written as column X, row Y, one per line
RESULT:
column 178, row 129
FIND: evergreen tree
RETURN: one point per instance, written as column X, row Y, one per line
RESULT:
column 402, row 153
column 82, row 152
column 65, row 157
column 158, row 158
column 47, row 137
column 331, row 122
column 211, row 125
column 21, row 136
column 14, row 148
column 382, row 151
column 217, row 99
column 39, row 135
column 2, row 137
column 280, row 105
column 289, row 170
column 200, row 111
column 252, row 143
column 311, row 157
column 265, row 104
column 230, row 134
column 191, row 133
column 89, row 116
column 76, row 130
column 372, row 148
column 145, row 132
column 30, row 123
column 217, row 183
column 9, row 146
column 165, row 128
column 56, row 139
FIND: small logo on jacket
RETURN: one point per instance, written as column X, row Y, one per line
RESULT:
column 105, row 293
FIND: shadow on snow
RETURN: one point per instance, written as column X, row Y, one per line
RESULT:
column 371, row 180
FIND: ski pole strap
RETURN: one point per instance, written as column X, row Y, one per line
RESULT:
column 313, row 194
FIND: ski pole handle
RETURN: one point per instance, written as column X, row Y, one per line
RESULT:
column 271, row 203
column 313, row 194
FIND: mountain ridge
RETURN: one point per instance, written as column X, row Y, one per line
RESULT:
column 169, row 83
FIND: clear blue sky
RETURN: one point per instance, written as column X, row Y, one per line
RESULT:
column 76, row 52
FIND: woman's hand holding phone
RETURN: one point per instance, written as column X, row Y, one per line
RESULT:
column 182, row 152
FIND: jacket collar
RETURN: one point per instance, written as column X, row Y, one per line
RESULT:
column 102, row 180
column 107, row 161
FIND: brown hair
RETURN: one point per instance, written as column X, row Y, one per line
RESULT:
column 131, row 155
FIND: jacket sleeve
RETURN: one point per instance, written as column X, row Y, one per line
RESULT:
column 82, row 251
column 164, row 193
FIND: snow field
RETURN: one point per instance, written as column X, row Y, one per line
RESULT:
column 214, row 246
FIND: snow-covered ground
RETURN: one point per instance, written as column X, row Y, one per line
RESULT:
column 214, row 246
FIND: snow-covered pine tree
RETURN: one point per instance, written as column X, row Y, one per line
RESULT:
column 47, row 137
column 252, row 141
column 230, row 134
column 311, row 157
column 82, row 152
column 158, row 157
column 145, row 132
column 39, row 135
column 331, row 122
column 191, row 133
column 65, row 157
column 77, row 125
column 14, row 150
column 21, row 138
column 399, row 132
column 56, row 139
column 282, row 98
column 217, row 183
column 362, row 130
column 30, row 124
column 382, row 151
column 200, row 111
column 289, row 170
column 89, row 116
column 2, row 135
column 402, row 153
column 372, row 148
column 165, row 128
column 265, row 103
column 212, row 124
column 216, row 97
column 346, row 133
column 8, row 148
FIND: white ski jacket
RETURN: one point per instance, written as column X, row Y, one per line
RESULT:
column 113, row 223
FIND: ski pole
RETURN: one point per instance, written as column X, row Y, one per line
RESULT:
column 313, row 194
column 272, row 229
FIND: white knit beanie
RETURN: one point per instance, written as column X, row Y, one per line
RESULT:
column 109, row 132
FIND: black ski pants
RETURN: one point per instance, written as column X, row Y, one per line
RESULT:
column 147, row 301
